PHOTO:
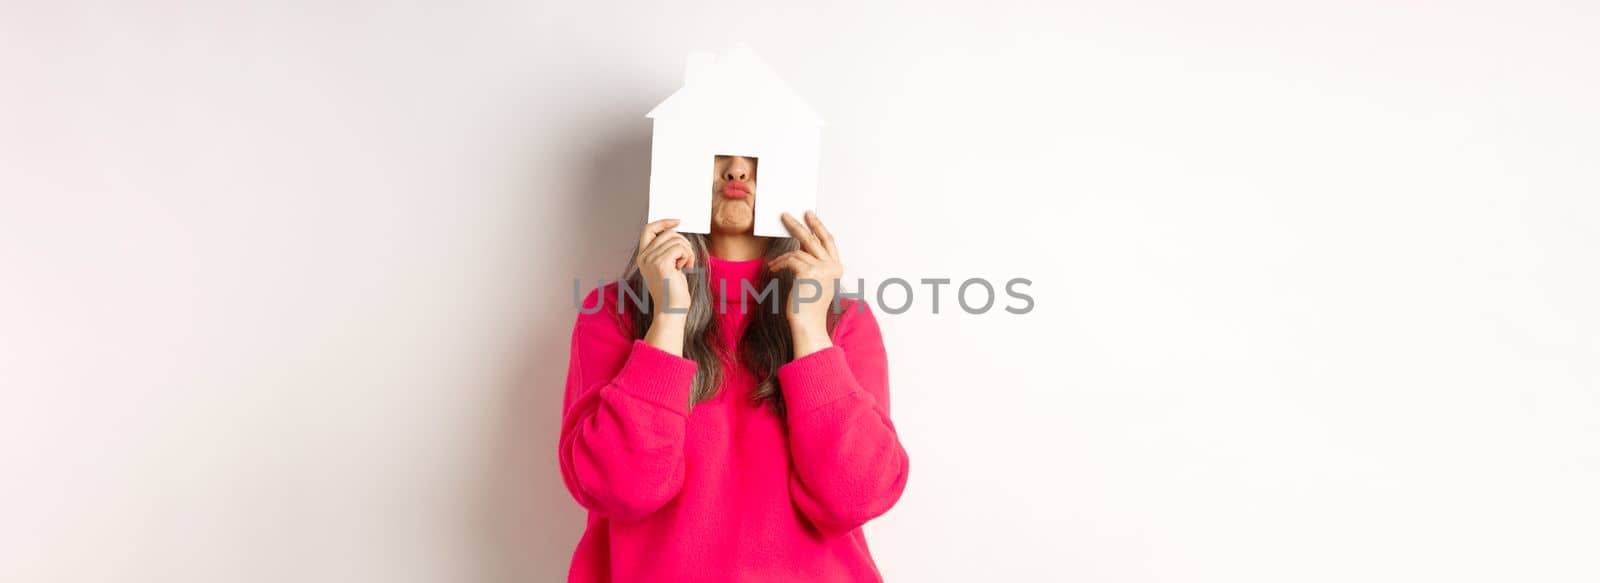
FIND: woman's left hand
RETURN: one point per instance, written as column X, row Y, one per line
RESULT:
column 817, row 260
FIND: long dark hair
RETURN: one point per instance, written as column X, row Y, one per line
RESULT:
column 766, row 344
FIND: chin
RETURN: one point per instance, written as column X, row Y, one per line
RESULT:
column 733, row 226
column 733, row 220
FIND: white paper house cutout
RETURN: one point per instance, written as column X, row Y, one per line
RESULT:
column 733, row 104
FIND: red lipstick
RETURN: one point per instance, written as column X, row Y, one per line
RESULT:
column 735, row 189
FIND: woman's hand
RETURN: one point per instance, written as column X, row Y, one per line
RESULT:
column 817, row 262
column 663, row 255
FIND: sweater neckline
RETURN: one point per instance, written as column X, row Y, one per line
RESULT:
column 735, row 272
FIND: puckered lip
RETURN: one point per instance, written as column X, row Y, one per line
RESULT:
column 735, row 189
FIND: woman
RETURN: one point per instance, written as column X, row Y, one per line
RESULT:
column 714, row 443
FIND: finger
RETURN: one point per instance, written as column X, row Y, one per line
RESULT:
column 775, row 263
column 797, row 253
column 650, row 230
column 785, row 262
column 688, row 250
column 653, row 252
column 803, row 235
column 815, row 222
column 793, row 226
column 684, row 252
column 648, row 253
column 673, row 248
column 793, row 260
column 665, row 238
column 778, row 259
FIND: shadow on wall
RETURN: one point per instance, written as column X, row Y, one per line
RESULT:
column 529, row 522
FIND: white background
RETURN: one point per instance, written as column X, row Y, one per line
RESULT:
column 285, row 287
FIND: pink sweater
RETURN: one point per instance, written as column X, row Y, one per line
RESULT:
column 727, row 491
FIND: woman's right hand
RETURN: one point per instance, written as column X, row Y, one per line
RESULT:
column 663, row 255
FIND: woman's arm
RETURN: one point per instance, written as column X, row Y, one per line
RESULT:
column 625, row 410
column 849, row 465
column 627, row 401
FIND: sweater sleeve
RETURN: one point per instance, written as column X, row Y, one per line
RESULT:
column 625, row 411
column 849, row 465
